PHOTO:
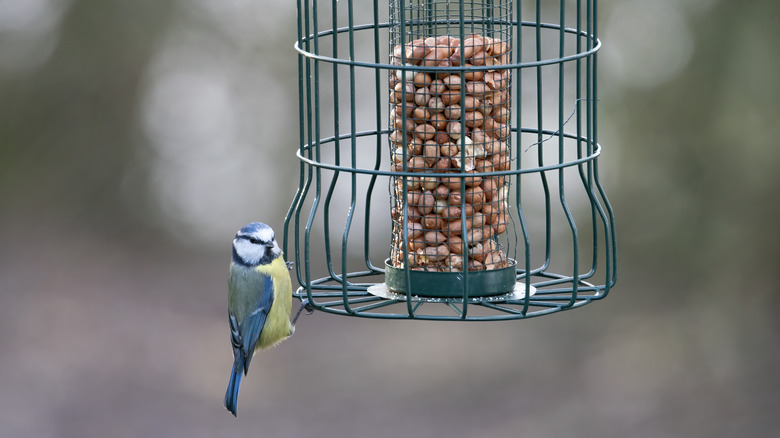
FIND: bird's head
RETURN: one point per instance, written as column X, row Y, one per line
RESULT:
column 255, row 245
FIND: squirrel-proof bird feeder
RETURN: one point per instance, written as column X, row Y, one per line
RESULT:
column 451, row 146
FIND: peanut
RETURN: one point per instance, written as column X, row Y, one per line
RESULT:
column 426, row 202
column 452, row 82
column 452, row 112
column 439, row 122
column 425, row 131
column 422, row 79
column 435, row 104
column 441, row 192
column 435, row 238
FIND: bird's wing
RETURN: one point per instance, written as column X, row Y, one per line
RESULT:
column 253, row 324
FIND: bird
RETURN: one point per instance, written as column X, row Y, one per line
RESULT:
column 259, row 300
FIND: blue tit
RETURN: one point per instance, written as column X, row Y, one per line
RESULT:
column 259, row 300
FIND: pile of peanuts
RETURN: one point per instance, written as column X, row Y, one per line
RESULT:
column 434, row 124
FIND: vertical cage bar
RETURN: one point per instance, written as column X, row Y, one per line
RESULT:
column 561, row 159
column 315, row 143
column 353, row 153
column 585, row 171
column 404, row 154
column 378, row 143
column 337, row 149
column 464, row 227
column 526, row 275
column 611, row 247
column 300, row 193
column 540, row 139
column 310, row 139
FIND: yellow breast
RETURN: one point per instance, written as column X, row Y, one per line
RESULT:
column 277, row 325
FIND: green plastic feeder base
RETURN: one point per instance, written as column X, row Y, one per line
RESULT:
column 450, row 284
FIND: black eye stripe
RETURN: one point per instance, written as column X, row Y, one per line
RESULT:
column 257, row 241
column 251, row 239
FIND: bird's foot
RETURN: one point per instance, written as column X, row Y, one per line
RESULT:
column 305, row 304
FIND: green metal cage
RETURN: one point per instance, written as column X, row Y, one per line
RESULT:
column 449, row 160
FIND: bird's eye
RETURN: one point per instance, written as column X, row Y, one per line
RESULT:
column 255, row 241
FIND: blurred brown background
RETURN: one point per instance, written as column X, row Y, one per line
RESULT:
column 136, row 137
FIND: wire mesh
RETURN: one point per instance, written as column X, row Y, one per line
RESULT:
column 451, row 123
column 452, row 148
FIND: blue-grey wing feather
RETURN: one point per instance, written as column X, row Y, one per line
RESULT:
column 252, row 326
column 235, row 333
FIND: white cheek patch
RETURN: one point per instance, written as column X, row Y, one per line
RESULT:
column 248, row 251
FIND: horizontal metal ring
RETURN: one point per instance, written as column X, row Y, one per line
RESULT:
column 596, row 152
column 514, row 66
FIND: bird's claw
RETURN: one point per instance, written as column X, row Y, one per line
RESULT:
column 290, row 265
column 306, row 304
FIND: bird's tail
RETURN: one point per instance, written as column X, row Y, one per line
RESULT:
column 231, row 395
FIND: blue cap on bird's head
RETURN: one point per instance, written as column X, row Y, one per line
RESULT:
column 255, row 244
column 257, row 229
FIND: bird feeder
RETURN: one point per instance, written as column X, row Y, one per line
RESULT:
column 449, row 160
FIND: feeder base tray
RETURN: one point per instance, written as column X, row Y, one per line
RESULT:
column 450, row 284
column 381, row 290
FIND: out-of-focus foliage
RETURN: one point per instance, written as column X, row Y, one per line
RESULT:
column 135, row 137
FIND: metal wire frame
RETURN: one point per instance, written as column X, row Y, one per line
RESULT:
column 346, row 292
